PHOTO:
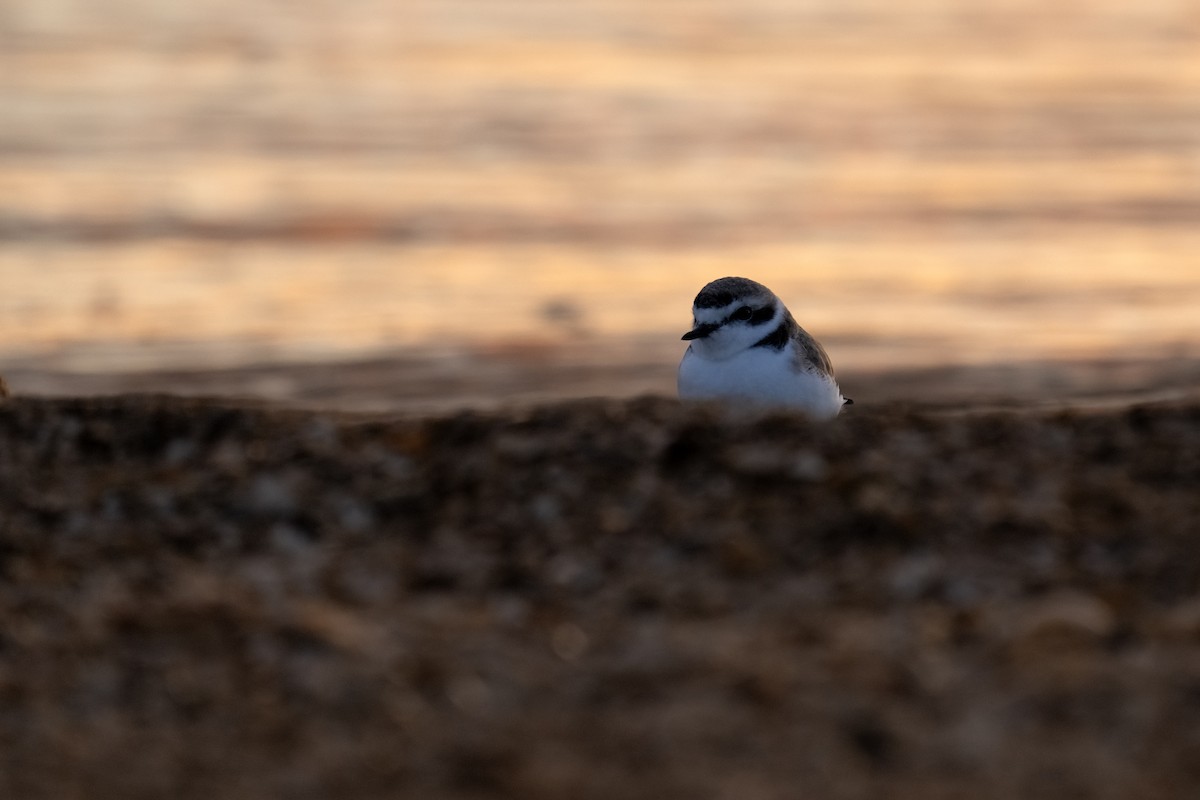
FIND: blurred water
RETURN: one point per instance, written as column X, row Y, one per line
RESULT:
column 223, row 183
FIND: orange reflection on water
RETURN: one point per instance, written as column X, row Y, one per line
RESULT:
column 922, row 183
column 898, row 302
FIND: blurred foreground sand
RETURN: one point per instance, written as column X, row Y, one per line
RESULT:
column 597, row 599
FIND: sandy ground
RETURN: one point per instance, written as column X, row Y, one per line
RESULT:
column 596, row 599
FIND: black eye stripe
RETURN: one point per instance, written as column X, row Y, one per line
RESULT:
column 763, row 315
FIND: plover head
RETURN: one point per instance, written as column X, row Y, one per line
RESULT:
column 731, row 315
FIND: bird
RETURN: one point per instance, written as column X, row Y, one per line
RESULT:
column 747, row 349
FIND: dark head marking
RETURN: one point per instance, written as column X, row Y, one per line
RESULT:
column 776, row 339
column 724, row 291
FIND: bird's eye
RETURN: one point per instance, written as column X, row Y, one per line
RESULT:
column 744, row 313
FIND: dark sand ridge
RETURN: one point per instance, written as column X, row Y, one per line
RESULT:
column 597, row 599
column 426, row 382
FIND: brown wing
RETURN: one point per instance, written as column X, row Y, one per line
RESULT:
column 809, row 350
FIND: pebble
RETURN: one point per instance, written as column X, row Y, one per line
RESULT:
column 1068, row 614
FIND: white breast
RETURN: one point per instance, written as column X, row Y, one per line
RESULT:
column 759, row 376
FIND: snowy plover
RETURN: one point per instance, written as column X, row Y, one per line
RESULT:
column 746, row 346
